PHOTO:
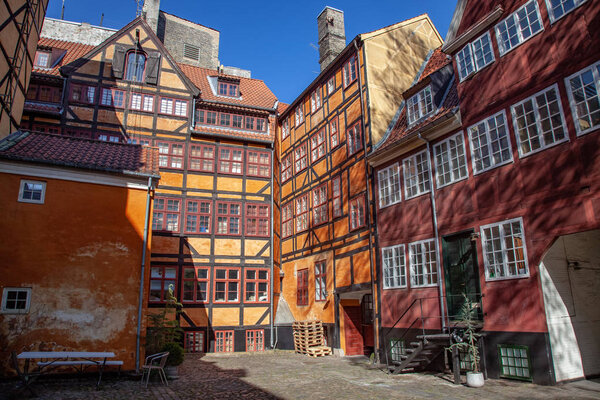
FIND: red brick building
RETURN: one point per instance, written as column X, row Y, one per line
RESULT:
column 499, row 200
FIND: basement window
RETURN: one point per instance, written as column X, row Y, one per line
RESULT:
column 223, row 341
column 514, row 362
column 255, row 340
column 16, row 300
column 397, row 349
column 194, row 342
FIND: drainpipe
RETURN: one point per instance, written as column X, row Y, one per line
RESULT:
column 367, row 210
column 271, row 284
column 435, row 228
column 141, row 299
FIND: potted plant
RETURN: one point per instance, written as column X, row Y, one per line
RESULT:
column 469, row 342
column 164, row 333
column 175, row 358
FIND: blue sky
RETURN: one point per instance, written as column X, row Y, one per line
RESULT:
column 277, row 41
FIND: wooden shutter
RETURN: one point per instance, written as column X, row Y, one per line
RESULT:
column 152, row 68
column 118, row 61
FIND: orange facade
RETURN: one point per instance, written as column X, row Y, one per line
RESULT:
column 80, row 254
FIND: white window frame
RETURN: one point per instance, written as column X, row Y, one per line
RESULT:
column 538, row 122
column 596, row 75
column 522, row 40
column 413, row 266
column 315, row 100
column 17, row 289
column 299, row 113
column 22, row 189
column 553, row 19
column 487, row 137
column 396, row 253
column 418, row 183
column 502, row 241
column 385, row 182
column 423, row 96
column 451, row 161
column 471, row 56
column 285, row 129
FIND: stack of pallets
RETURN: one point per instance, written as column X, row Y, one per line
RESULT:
column 308, row 338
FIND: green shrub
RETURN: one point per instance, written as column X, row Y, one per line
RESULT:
column 175, row 353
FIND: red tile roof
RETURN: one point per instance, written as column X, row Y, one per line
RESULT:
column 42, row 107
column 254, row 92
column 437, row 61
column 450, row 103
column 67, row 151
column 74, row 52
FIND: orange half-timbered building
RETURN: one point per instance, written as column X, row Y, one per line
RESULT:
column 327, row 223
column 212, row 211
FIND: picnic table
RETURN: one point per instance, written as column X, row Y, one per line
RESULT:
column 50, row 360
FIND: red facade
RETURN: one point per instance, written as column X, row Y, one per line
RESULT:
column 550, row 192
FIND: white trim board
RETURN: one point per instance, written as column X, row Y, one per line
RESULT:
column 64, row 174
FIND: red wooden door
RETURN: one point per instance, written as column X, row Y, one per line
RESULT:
column 353, row 330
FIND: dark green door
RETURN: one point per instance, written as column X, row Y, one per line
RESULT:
column 461, row 272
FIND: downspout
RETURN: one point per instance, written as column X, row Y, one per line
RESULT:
column 372, row 270
column 141, row 298
column 271, row 284
column 436, row 231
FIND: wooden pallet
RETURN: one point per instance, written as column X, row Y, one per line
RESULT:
column 319, row 351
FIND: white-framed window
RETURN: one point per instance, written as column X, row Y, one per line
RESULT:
column 299, row 115
column 285, row 129
column 32, row 191
column 181, row 108
column 475, row 56
column 423, row 263
column 416, row 175
column 420, row 105
column 559, row 8
column 331, row 85
column 450, row 160
column 393, row 263
column 583, row 88
column 539, row 121
column 519, row 27
column 490, row 143
column 504, row 250
column 166, row 106
column 315, row 100
column 16, row 300
column 389, row 186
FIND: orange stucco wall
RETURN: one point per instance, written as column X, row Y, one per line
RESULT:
column 80, row 253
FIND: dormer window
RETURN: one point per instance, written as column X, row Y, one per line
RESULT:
column 419, row 105
column 136, row 64
column 42, row 59
column 229, row 89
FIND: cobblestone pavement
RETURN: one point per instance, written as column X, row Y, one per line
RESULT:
column 284, row 375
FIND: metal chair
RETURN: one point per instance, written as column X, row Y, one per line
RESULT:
column 155, row 362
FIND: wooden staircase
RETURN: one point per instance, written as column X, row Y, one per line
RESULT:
column 421, row 353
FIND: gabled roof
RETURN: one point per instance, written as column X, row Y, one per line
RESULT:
column 254, row 92
column 140, row 22
column 81, row 153
column 73, row 50
column 449, row 106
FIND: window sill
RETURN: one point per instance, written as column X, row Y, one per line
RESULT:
column 507, row 278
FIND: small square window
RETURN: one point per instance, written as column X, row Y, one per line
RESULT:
column 32, row 192
column 514, row 362
column 16, row 300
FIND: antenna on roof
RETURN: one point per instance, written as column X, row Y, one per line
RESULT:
column 140, row 6
column 101, row 19
column 62, row 14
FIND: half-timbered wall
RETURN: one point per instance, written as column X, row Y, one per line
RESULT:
column 21, row 25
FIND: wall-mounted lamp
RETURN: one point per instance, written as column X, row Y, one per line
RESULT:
column 573, row 264
column 474, row 236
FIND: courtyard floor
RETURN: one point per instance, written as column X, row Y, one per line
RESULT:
column 285, row 375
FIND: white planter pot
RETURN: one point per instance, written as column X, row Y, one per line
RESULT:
column 475, row 379
column 171, row 372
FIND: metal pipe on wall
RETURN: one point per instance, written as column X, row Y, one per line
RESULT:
column 141, row 297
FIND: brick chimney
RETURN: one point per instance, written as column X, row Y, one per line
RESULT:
column 150, row 13
column 332, row 35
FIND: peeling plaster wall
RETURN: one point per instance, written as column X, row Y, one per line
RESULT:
column 80, row 253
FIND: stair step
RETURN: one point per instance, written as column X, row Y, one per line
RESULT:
column 437, row 336
column 416, row 344
column 416, row 359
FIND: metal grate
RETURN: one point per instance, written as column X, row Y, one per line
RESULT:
column 191, row 51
